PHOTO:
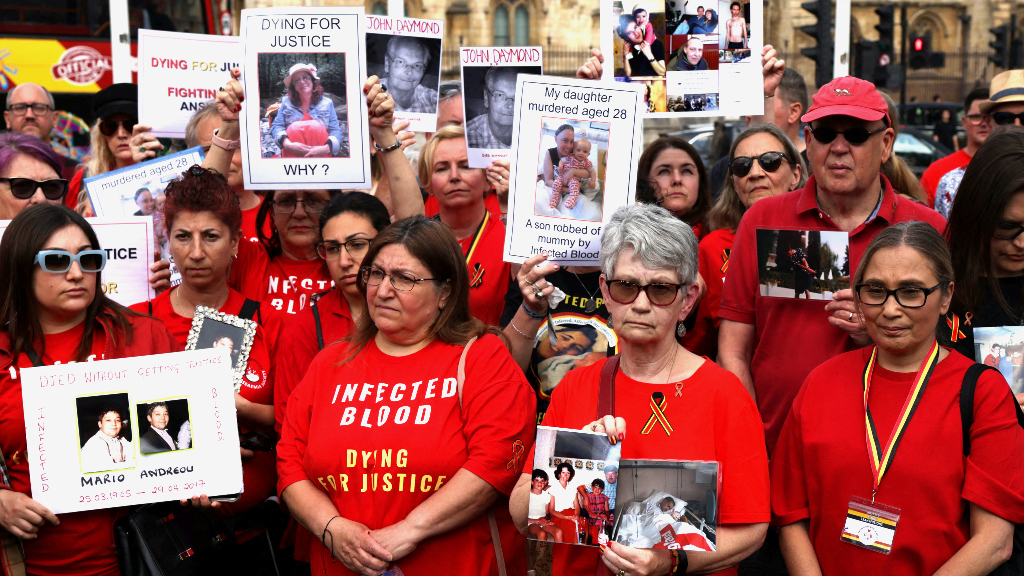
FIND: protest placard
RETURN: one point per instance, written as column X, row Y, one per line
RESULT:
column 304, row 124
column 578, row 144
column 808, row 264
column 131, row 431
column 131, row 191
column 128, row 242
column 488, row 92
column 178, row 74
column 405, row 53
column 692, row 58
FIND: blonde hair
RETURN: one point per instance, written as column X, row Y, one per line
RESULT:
column 101, row 160
column 427, row 154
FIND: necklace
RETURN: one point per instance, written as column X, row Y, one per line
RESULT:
column 591, row 306
column 177, row 294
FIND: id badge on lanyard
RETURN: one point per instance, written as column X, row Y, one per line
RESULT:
column 870, row 524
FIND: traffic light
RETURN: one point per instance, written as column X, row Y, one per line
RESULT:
column 886, row 42
column 921, row 54
column 865, row 61
column 821, row 53
column 1001, row 46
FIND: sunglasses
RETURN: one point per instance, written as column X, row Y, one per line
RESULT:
column 769, row 161
column 109, row 127
column 660, row 294
column 826, row 134
column 59, row 261
column 25, row 188
column 1004, row 118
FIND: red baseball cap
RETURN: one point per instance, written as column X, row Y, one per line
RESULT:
column 848, row 96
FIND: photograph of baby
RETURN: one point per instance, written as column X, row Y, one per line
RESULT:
column 571, row 169
column 801, row 263
column 409, row 67
column 639, row 39
column 667, row 505
column 302, row 105
column 1002, row 347
column 164, row 426
column 572, row 490
column 685, row 17
column 489, row 101
column 693, row 103
column 105, row 433
column 692, row 53
column 736, row 34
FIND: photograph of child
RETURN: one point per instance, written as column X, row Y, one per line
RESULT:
column 1002, row 347
column 310, row 118
column 104, row 433
column 579, row 342
column 216, row 334
column 736, row 34
column 639, row 39
column 803, row 264
column 575, row 149
column 167, row 426
column 409, row 67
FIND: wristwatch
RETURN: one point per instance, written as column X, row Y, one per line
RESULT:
column 224, row 144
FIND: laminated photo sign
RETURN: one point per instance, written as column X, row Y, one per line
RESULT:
column 304, row 122
column 131, row 190
column 578, row 144
column 180, row 73
column 488, row 97
column 132, row 431
column 128, row 242
column 405, row 53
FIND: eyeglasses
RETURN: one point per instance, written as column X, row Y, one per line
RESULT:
column 826, row 134
column 109, row 127
column 1007, row 231
column 59, row 261
column 1004, row 118
column 500, row 98
column 37, row 109
column 976, row 119
column 310, row 205
column 414, row 66
column 355, row 247
column 660, row 294
column 769, row 161
column 399, row 281
column 304, row 78
column 908, row 296
column 25, row 188
column 446, row 89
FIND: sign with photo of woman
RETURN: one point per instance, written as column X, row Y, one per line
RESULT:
column 405, row 53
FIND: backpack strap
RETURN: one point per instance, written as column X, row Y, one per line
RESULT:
column 319, row 328
column 150, row 303
column 249, row 309
column 967, row 403
column 606, row 390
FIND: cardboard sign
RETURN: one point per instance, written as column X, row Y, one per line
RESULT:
column 124, row 192
column 488, row 93
column 304, row 122
column 128, row 242
column 131, row 431
column 405, row 53
column 178, row 74
column 698, row 58
column 578, row 144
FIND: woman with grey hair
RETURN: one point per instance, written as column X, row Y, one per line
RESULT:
column 648, row 280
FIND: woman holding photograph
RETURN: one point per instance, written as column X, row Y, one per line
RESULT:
column 306, row 125
column 648, row 281
column 419, row 491
column 963, row 509
column 671, row 175
column 565, row 138
column 54, row 312
column 116, row 109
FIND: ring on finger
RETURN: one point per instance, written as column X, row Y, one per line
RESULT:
column 500, row 178
column 528, row 281
column 851, row 316
column 537, row 291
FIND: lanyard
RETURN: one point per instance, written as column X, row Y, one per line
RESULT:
column 476, row 237
column 881, row 461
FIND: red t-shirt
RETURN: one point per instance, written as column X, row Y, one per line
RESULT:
column 249, row 225
column 822, row 460
column 793, row 336
column 381, row 434
column 258, row 473
column 488, row 273
column 281, row 282
column 729, row 431
column 83, row 542
column 713, row 259
column 938, row 169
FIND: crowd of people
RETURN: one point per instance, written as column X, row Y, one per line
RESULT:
column 399, row 366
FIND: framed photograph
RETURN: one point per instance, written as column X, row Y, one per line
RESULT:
column 213, row 329
column 808, row 264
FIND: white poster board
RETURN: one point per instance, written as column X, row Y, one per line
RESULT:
column 64, row 405
column 178, row 74
column 488, row 89
column 128, row 242
column 281, row 149
column 561, row 219
column 115, row 193
column 405, row 53
column 706, row 54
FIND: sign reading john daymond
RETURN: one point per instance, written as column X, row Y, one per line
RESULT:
column 81, row 66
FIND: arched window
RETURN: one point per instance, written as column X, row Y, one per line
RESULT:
column 379, row 9
column 501, row 33
column 522, row 26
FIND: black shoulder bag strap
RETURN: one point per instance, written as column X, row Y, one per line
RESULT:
column 316, row 320
column 31, row 353
column 606, row 390
column 249, row 309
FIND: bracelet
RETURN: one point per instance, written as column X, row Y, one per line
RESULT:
column 223, row 144
column 681, row 562
column 323, row 535
column 395, row 146
column 521, row 333
column 533, row 314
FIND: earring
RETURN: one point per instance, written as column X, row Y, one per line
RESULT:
column 610, row 324
column 680, row 329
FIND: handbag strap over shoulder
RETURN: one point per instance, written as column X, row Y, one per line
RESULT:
column 606, row 390
column 461, row 375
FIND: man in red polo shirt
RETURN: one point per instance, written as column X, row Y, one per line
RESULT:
column 772, row 343
column 977, row 126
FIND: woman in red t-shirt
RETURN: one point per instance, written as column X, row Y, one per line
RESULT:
column 649, row 265
column 672, row 176
column 204, row 222
column 384, row 456
column 53, row 312
column 832, row 472
column 763, row 162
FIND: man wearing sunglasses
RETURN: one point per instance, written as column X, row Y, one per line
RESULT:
column 848, row 139
column 977, row 126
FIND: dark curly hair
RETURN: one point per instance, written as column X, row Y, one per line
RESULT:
column 558, row 470
column 538, row 473
column 203, row 190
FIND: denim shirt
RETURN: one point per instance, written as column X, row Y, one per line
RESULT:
column 322, row 112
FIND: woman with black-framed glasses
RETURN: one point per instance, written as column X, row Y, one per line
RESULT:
column 29, row 174
column 877, row 432
column 54, row 312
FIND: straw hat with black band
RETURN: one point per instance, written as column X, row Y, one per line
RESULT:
column 1006, row 88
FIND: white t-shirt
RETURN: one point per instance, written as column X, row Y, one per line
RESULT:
column 565, row 498
column 539, row 505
